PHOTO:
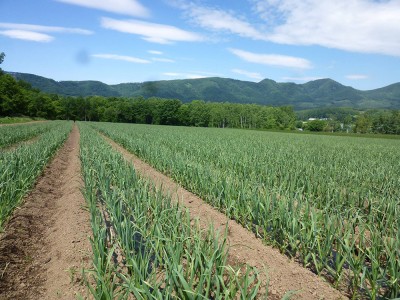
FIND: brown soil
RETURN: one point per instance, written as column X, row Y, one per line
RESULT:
column 45, row 243
column 284, row 275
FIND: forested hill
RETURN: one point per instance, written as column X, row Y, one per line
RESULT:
column 314, row 94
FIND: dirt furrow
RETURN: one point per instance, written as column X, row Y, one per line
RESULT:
column 45, row 244
column 284, row 275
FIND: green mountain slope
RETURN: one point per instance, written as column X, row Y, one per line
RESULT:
column 314, row 94
column 67, row 88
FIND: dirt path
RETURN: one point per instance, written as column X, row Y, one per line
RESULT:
column 284, row 274
column 45, row 243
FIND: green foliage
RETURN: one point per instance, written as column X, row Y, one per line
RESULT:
column 18, row 98
column 20, row 168
column 11, row 120
column 363, row 124
column 316, row 125
column 331, row 202
column 10, row 134
column 166, row 254
column 341, row 114
column 172, row 112
column 2, row 55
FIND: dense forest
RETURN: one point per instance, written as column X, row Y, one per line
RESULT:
column 18, row 98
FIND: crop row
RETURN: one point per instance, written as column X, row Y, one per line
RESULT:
column 20, row 168
column 146, row 246
column 10, row 135
column 330, row 202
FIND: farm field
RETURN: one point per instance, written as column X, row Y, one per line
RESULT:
column 162, row 252
column 20, row 167
column 44, row 241
column 328, row 203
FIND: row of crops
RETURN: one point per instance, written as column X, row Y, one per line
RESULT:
column 20, row 167
column 10, row 135
column 330, row 202
column 144, row 245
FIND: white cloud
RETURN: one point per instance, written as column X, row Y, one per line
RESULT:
column 353, row 25
column 27, row 35
column 272, row 59
column 252, row 75
column 172, row 74
column 151, row 32
column 167, row 60
column 40, row 28
column 122, row 57
column 183, row 75
column 356, row 76
column 124, row 7
column 301, row 79
column 220, row 20
column 155, row 52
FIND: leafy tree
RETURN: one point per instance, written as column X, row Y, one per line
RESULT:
column 2, row 56
column 199, row 113
column 183, row 115
column 41, row 105
column 168, row 112
column 9, row 90
column 363, row 124
column 316, row 125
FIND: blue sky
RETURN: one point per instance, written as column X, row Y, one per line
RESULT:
column 355, row 42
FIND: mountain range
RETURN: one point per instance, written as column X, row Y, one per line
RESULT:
column 314, row 94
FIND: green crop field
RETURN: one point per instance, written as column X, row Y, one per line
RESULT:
column 165, row 255
column 20, row 167
column 10, row 135
column 330, row 202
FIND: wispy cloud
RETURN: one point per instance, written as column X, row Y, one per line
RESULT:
column 159, row 59
column 356, row 76
column 124, row 7
column 151, row 32
column 252, row 75
column 36, row 33
column 183, row 75
column 357, row 25
column 272, row 59
column 366, row 26
column 41, row 28
column 215, row 19
column 122, row 57
column 301, row 79
column 155, row 52
column 27, row 35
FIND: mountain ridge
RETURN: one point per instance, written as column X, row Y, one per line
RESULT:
column 313, row 94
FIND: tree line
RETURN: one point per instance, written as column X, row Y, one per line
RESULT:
column 18, row 98
column 350, row 120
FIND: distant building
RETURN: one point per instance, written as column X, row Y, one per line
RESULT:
column 321, row 119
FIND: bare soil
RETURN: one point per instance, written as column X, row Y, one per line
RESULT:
column 284, row 274
column 45, row 243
